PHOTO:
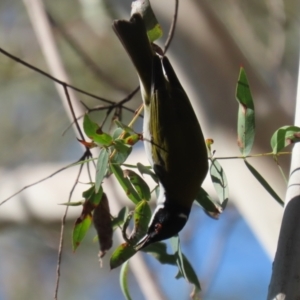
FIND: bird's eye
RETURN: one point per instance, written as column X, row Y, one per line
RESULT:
column 158, row 227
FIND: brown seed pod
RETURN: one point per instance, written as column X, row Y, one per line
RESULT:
column 103, row 225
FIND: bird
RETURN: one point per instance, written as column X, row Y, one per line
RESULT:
column 173, row 139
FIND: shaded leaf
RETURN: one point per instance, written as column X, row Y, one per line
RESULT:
column 219, row 180
column 159, row 251
column 284, row 137
column 124, row 127
column 117, row 132
column 139, row 184
column 246, row 114
column 101, row 168
column 185, row 269
column 125, row 183
column 264, row 183
column 146, row 170
column 123, row 151
column 103, row 225
column 211, row 208
column 120, row 218
column 123, row 280
column 80, row 229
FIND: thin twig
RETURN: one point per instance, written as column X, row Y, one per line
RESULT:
column 172, row 28
column 62, row 228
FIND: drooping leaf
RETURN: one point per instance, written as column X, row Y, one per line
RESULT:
column 123, row 280
column 80, row 229
column 185, row 269
column 139, row 184
column 284, row 137
column 120, row 218
column 125, row 183
column 219, row 180
column 264, row 183
column 121, row 254
column 101, row 168
column 246, row 114
column 210, row 207
column 124, row 127
column 78, row 203
column 103, row 225
column 117, row 132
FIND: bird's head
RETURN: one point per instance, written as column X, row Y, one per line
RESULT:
column 167, row 220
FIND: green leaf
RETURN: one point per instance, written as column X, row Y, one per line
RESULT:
column 78, row 203
column 264, row 183
column 120, row 218
column 95, row 198
column 123, row 151
column 210, row 207
column 159, row 251
column 125, row 183
column 80, row 229
column 140, row 185
column 94, row 132
column 143, row 7
column 141, row 216
column 146, row 170
column 89, row 192
column 89, row 127
column 284, row 137
column 246, row 114
column 124, row 127
column 121, row 254
column 101, row 168
column 185, row 269
column 123, row 280
column 116, row 134
column 219, row 180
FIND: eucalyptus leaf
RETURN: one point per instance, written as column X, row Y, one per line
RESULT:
column 101, row 168
column 123, row 280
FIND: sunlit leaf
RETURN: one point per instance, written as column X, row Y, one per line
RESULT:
column 117, row 132
column 121, row 254
column 94, row 132
column 139, row 184
column 125, row 183
column 101, row 168
column 124, row 127
column 132, row 139
column 80, row 229
column 210, row 207
column 219, row 180
column 284, row 137
column 78, row 203
column 141, row 217
column 246, row 114
column 264, row 183
column 123, row 280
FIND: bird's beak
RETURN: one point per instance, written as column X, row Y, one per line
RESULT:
column 142, row 243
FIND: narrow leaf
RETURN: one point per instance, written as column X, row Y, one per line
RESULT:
column 146, row 170
column 120, row 218
column 101, row 168
column 123, row 280
column 264, row 183
column 125, row 183
column 246, row 114
column 121, row 254
column 159, row 251
column 219, row 180
column 80, row 229
column 284, row 137
column 124, row 127
column 185, row 268
column 210, row 207
column 123, row 151
column 117, row 132
column 139, row 184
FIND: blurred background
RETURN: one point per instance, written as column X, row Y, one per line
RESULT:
column 232, row 256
